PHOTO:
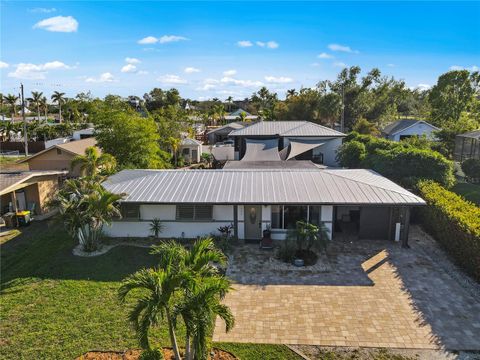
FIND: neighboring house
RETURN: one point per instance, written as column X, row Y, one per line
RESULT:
column 403, row 129
column 235, row 116
column 83, row 133
column 191, row 203
column 467, row 146
column 59, row 157
column 287, row 140
column 28, row 190
column 191, row 150
column 221, row 133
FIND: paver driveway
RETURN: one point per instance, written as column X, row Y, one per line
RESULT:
column 390, row 297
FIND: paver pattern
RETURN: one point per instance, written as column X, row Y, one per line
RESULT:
column 373, row 294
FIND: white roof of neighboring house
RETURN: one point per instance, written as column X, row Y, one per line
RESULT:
column 260, row 186
column 401, row 125
column 190, row 142
column 286, row 128
column 233, row 126
column 9, row 180
column 76, row 147
column 238, row 112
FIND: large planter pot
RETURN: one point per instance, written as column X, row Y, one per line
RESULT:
column 298, row 262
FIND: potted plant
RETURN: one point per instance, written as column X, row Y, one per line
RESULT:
column 156, row 227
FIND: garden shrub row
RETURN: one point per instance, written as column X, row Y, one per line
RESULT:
column 454, row 223
column 399, row 161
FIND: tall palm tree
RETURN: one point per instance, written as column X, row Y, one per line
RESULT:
column 59, row 98
column 92, row 163
column 291, row 92
column 44, row 105
column 12, row 101
column 175, row 145
column 36, row 100
column 2, row 102
column 229, row 103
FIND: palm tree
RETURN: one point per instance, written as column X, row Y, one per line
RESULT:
column 44, row 105
column 12, row 101
column 36, row 100
column 242, row 116
column 291, row 92
column 174, row 144
column 229, row 101
column 59, row 98
column 2, row 102
column 92, row 163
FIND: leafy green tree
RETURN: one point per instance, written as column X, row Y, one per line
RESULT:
column 93, row 163
column 471, row 168
column 451, row 129
column 351, row 154
column 365, row 127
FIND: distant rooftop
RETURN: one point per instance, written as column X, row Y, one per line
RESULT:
column 472, row 134
column 9, row 179
column 286, row 128
column 400, row 125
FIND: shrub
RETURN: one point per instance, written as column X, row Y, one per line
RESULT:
column 455, row 224
column 471, row 168
column 351, row 154
column 286, row 251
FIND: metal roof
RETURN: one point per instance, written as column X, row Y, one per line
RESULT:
column 188, row 141
column 472, row 134
column 10, row 180
column 286, row 128
column 404, row 124
column 260, row 186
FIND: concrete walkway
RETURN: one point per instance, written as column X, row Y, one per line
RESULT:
column 407, row 302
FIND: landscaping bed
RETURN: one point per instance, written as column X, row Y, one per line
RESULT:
column 168, row 354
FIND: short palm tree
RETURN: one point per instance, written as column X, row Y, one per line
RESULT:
column 156, row 227
column 175, row 145
column 12, row 101
column 93, row 163
column 59, row 98
column 35, row 100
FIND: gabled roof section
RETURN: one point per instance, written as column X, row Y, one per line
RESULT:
column 260, row 186
column 401, row 125
column 232, row 126
column 287, row 128
column 76, row 147
column 10, row 179
column 188, row 141
column 472, row 134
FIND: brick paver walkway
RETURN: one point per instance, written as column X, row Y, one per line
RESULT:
column 408, row 302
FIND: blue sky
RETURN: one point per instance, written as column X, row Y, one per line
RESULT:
column 218, row 49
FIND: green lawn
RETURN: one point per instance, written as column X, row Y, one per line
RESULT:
column 57, row 306
column 470, row 192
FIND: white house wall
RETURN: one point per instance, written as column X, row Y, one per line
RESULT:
column 418, row 130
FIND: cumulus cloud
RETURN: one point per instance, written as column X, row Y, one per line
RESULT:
column 58, row 24
column 242, row 83
column 36, row 71
column 457, row 67
column 244, row 43
column 272, row 44
column 278, row 80
column 339, row 64
column 423, row 87
column 162, row 40
column 103, row 78
column 148, row 40
column 3, row 65
column 129, row 68
column 325, row 56
column 191, row 70
column 342, row 48
column 171, row 79
column 42, row 10
column 230, row 72
column 130, row 60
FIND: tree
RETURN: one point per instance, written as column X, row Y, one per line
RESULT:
column 229, row 101
column 85, row 207
column 36, row 100
column 156, row 227
column 291, row 92
column 93, row 163
column 452, row 95
column 351, row 154
column 2, row 102
column 471, row 169
column 12, row 101
column 59, row 98
column 44, row 105
column 363, row 126
column 131, row 138
column 174, row 146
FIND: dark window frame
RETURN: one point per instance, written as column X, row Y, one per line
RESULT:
column 199, row 212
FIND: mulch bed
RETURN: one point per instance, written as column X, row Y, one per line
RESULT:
column 135, row 354
column 309, row 257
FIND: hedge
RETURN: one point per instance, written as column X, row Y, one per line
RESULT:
column 454, row 223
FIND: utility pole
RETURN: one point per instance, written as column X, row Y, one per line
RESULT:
column 342, row 121
column 25, row 137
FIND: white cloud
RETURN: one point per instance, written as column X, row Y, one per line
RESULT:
column 243, row 83
column 230, row 72
column 206, row 87
column 260, row 43
column 130, row 60
column 3, row 65
column 423, row 87
column 58, row 24
column 129, row 68
column 105, row 77
column 244, row 43
column 325, row 56
column 391, row 65
column 171, row 38
column 171, row 79
column 471, row 68
column 339, row 64
column 148, row 40
column 342, row 48
column 42, row 10
column 278, row 80
column 142, row 72
column 272, row 45
column 36, row 71
column 191, row 70
column 315, row 64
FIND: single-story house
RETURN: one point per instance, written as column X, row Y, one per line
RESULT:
column 286, row 140
column 83, row 133
column 405, row 128
column 28, row 190
column 193, row 203
column 221, row 133
column 235, row 116
column 59, row 157
column 191, row 150
column 467, row 146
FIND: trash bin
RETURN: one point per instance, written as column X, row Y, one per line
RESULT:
column 23, row 218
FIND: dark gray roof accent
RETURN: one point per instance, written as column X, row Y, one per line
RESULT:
column 286, row 129
column 400, row 125
column 260, row 186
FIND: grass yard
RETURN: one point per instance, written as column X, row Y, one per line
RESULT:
column 10, row 163
column 57, row 306
column 470, row 192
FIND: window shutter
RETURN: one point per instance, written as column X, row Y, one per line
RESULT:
column 185, row 212
column 203, row 212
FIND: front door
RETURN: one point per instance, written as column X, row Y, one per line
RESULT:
column 253, row 222
column 194, row 156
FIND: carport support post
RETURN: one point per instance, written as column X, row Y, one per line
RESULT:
column 406, row 228
column 235, row 222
